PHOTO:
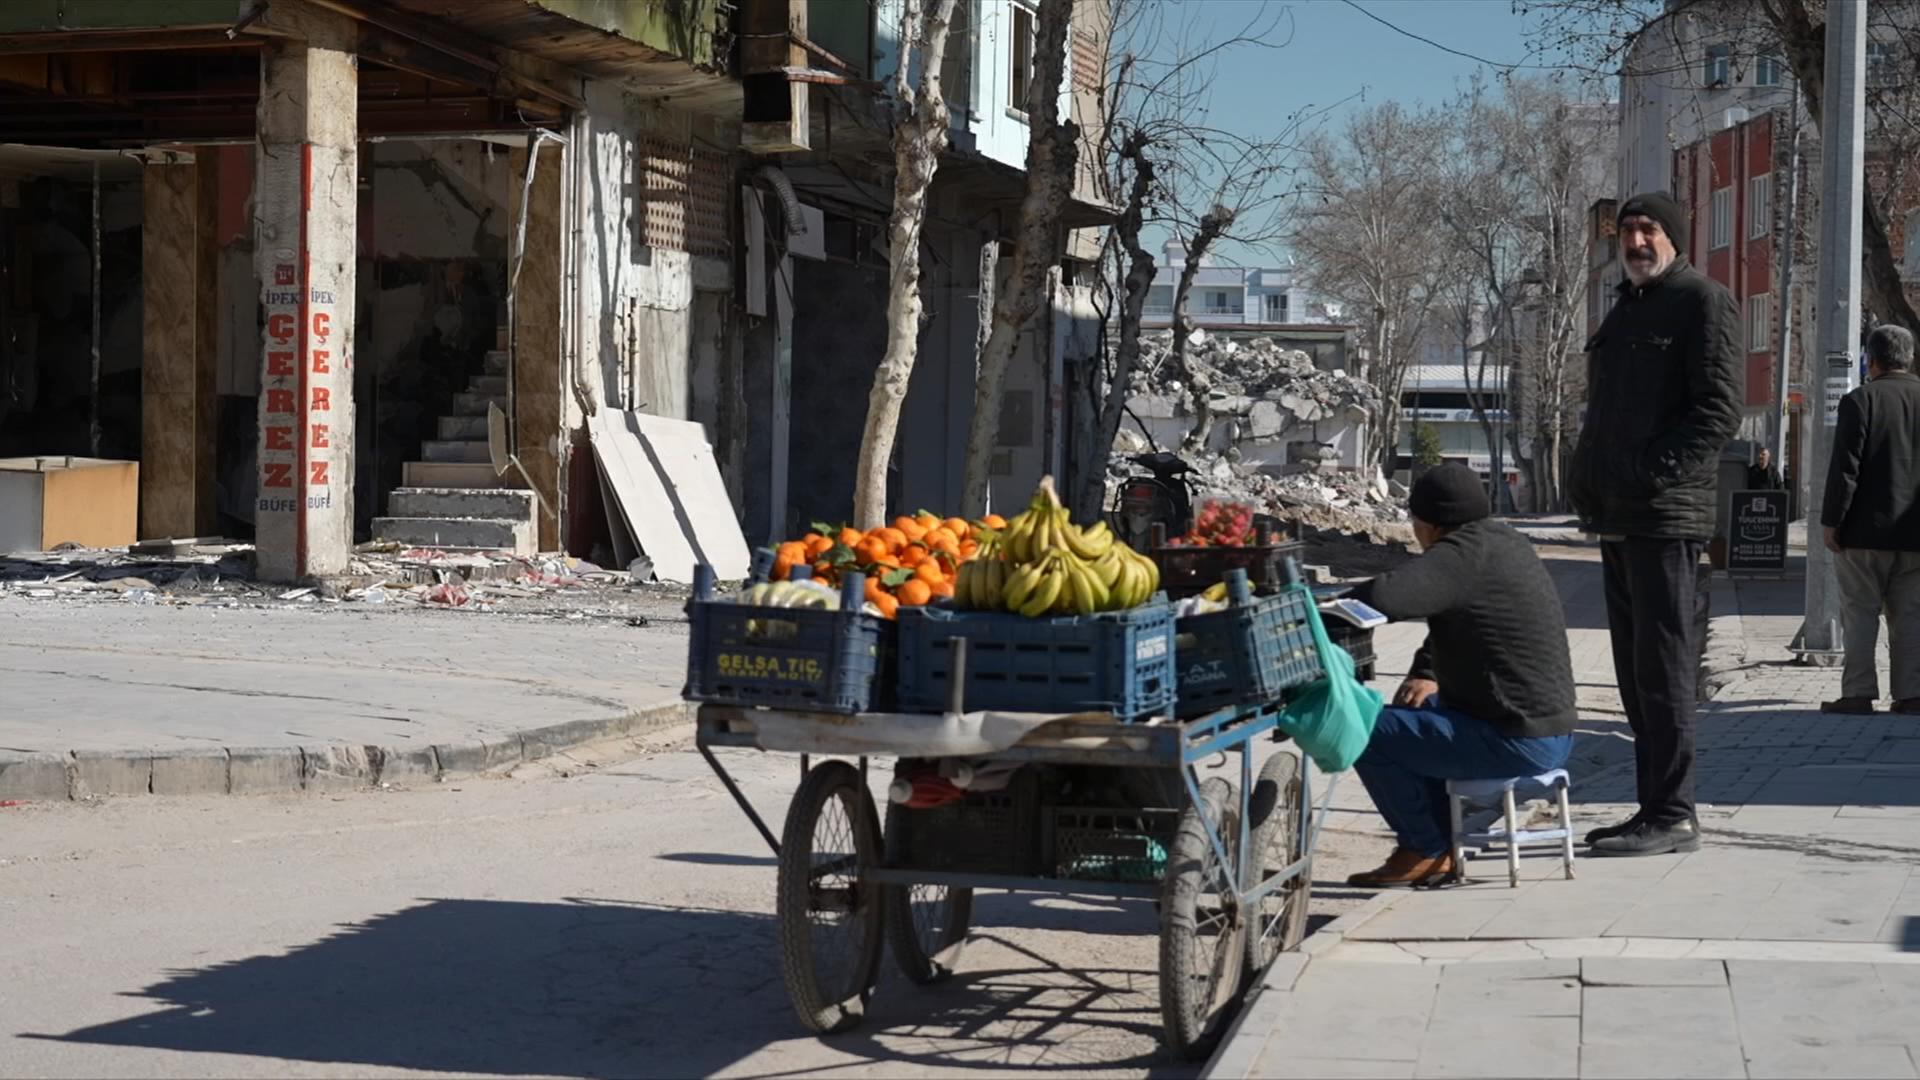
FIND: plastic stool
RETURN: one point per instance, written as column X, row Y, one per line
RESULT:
column 1483, row 792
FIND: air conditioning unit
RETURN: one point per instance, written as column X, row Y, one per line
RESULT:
column 1733, row 117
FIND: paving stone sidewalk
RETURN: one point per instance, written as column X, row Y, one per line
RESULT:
column 1788, row 946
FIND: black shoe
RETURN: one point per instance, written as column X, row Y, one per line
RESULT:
column 1908, row 706
column 1848, row 706
column 1605, row 831
column 1650, row 838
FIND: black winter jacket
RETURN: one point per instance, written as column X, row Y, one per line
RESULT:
column 1664, row 373
column 1496, row 636
column 1873, row 481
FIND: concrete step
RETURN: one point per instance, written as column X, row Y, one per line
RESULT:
column 454, row 450
column 463, row 427
column 459, row 534
column 515, row 504
column 490, row 385
column 471, row 404
column 450, row 474
column 497, row 362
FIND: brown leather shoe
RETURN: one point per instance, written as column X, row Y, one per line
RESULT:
column 1405, row 868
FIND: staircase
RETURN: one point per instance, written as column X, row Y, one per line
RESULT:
column 451, row 497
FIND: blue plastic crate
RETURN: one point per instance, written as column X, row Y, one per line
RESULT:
column 1250, row 654
column 1118, row 662
column 787, row 658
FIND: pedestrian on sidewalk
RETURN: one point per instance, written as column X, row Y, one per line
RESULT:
column 1490, row 693
column 1664, row 373
column 1871, row 522
column 1762, row 475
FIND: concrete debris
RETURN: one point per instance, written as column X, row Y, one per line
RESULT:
column 1247, row 374
column 220, row 574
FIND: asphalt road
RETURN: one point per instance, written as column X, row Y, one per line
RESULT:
column 611, row 922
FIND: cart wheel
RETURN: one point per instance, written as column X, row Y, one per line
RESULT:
column 926, row 924
column 1277, row 921
column 829, row 917
column 1202, row 949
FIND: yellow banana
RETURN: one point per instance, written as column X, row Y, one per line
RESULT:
column 1046, row 593
column 1090, row 543
column 1216, row 592
column 1152, row 573
column 1081, row 587
column 988, row 583
column 1016, row 537
column 1102, row 596
column 1019, row 584
column 966, row 586
column 1108, row 567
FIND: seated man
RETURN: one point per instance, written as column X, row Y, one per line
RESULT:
column 1489, row 695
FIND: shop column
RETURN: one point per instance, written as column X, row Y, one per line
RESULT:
column 305, row 199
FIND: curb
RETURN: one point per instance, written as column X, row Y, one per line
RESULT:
column 278, row 770
column 1239, row 1049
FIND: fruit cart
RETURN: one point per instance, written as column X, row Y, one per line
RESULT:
column 1144, row 806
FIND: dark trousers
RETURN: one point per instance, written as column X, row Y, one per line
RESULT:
column 1414, row 752
column 1654, row 611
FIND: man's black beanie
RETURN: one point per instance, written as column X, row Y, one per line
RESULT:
column 1449, row 495
column 1660, row 207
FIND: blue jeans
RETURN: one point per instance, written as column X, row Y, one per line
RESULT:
column 1414, row 752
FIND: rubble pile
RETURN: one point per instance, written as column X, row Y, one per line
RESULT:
column 219, row 573
column 1264, row 394
column 1256, row 381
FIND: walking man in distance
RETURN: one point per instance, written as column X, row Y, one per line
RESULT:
column 1871, row 520
column 1663, row 399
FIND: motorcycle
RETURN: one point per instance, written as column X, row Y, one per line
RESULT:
column 1160, row 495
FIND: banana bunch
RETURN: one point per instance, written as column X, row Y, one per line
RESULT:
column 1043, row 564
column 792, row 594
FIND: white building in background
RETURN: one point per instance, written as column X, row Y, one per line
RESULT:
column 1690, row 73
column 1236, row 296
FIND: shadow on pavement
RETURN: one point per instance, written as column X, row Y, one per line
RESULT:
column 594, row 988
column 718, row 858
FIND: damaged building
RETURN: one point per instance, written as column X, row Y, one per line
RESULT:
column 328, row 272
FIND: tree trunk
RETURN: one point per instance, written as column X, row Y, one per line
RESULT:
column 1198, row 383
column 1126, row 350
column 919, row 138
column 1052, row 152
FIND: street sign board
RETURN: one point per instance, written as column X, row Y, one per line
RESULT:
column 1759, row 531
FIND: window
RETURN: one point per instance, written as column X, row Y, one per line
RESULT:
column 1021, row 63
column 1216, row 301
column 1277, row 307
column 1719, row 68
column 1759, row 323
column 1759, row 206
column 1769, row 70
column 1879, row 63
column 1722, row 231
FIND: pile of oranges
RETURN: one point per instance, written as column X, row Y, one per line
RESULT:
column 911, row 562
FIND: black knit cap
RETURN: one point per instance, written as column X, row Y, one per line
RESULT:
column 1449, row 495
column 1662, row 208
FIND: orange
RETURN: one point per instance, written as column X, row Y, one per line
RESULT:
column 944, row 541
column 871, row 550
column 888, row 605
column 944, row 589
column 792, row 551
column 994, row 521
column 873, row 589
column 886, row 563
column 915, row 593
column 914, row 555
column 818, row 545
column 894, row 538
column 958, row 527
column 968, row 549
column 930, row 572
column 909, row 528
column 850, row 536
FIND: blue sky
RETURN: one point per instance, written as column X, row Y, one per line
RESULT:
column 1337, row 53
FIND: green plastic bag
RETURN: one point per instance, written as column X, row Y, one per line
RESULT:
column 1332, row 719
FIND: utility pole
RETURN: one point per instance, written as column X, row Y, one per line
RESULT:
column 1837, row 316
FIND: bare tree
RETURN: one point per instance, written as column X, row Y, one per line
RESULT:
column 1052, row 154
column 920, row 136
column 1368, row 232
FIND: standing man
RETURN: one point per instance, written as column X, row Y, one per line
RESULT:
column 1663, row 399
column 1871, row 516
column 1761, row 475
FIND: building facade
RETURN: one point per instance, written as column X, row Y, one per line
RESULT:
column 1235, row 296
column 331, row 238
